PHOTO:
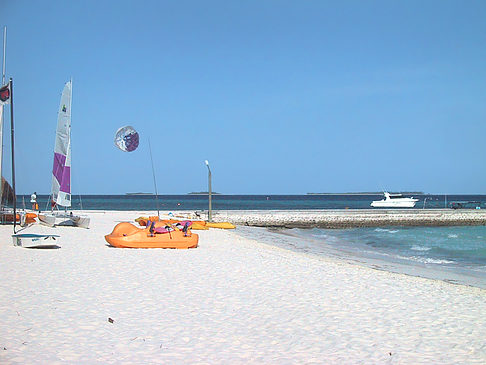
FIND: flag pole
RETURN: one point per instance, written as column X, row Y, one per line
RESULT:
column 13, row 155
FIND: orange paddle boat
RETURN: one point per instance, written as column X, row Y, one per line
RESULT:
column 127, row 235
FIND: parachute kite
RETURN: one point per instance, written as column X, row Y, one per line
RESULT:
column 126, row 139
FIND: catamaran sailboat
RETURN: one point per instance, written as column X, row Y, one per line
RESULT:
column 61, row 171
column 394, row 201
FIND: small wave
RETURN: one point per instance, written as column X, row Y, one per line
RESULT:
column 431, row 261
column 421, row 248
column 386, row 230
column 322, row 235
column 452, row 235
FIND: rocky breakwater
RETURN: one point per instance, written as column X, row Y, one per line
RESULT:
column 352, row 218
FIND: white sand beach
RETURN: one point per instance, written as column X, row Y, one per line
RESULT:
column 231, row 300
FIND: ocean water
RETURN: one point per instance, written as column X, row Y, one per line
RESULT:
column 241, row 202
column 456, row 254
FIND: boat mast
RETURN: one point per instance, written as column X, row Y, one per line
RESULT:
column 13, row 155
column 1, row 121
column 4, row 53
column 70, row 149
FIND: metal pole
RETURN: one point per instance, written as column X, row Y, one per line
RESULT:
column 4, row 53
column 1, row 121
column 210, row 212
column 210, row 198
column 155, row 182
column 13, row 155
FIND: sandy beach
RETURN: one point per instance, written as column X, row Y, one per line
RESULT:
column 231, row 300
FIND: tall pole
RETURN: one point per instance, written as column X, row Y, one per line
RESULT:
column 4, row 53
column 1, row 119
column 210, row 211
column 13, row 155
column 155, row 181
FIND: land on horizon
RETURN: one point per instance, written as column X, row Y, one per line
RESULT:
column 374, row 193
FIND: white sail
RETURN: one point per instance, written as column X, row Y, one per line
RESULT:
column 61, row 171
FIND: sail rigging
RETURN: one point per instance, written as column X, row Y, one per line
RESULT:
column 61, row 171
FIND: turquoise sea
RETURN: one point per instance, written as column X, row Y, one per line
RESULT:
column 457, row 254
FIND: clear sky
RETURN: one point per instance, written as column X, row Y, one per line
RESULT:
column 281, row 97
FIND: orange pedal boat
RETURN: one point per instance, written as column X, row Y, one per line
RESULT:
column 127, row 235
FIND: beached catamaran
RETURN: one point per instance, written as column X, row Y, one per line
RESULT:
column 61, row 171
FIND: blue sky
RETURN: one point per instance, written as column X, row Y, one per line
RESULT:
column 281, row 97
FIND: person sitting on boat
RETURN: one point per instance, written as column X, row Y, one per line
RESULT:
column 33, row 200
column 151, row 225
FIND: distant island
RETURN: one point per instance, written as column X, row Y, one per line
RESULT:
column 203, row 193
column 372, row 193
column 139, row 194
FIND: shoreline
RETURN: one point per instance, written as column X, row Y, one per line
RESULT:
column 231, row 300
column 287, row 241
column 305, row 219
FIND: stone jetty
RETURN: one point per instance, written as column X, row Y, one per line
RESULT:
column 353, row 218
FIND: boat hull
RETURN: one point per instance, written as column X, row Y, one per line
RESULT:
column 393, row 204
column 23, row 218
column 31, row 240
column 126, row 235
column 64, row 219
column 221, row 225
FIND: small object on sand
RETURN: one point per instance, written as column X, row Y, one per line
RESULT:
column 110, row 320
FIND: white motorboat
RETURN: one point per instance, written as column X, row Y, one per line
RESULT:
column 394, row 201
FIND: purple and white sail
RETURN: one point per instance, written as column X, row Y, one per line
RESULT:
column 61, row 171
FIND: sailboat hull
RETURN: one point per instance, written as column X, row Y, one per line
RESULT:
column 64, row 219
column 32, row 240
